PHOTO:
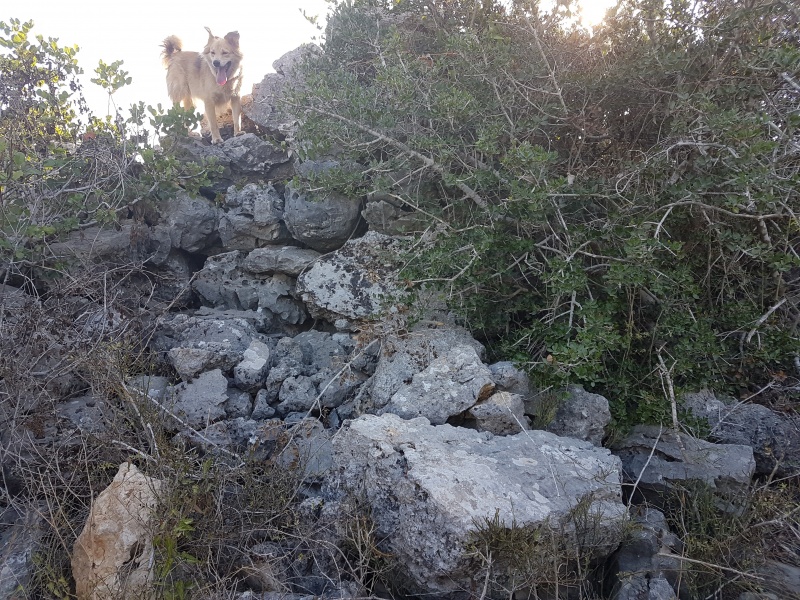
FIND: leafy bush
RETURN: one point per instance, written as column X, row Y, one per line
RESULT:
column 61, row 168
column 612, row 207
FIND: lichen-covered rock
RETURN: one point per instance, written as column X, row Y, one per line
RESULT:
column 448, row 386
column 355, row 282
column 113, row 556
column 402, row 357
column 429, row 487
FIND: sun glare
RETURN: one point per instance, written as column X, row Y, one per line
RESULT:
column 592, row 12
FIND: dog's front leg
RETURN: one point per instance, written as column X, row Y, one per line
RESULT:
column 211, row 117
column 236, row 111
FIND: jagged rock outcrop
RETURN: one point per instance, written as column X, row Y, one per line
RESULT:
column 224, row 282
column 268, row 108
column 447, row 387
column 581, row 414
column 429, row 487
column 252, row 217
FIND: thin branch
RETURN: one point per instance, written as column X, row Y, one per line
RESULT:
column 426, row 160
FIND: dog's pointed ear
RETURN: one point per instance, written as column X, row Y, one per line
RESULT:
column 211, row 36
column 232, row 38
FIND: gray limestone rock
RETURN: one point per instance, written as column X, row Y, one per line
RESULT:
column 251, row 372
column 354, row 282
column 402, row 357
column 279, row 259
column 268, row 110
column 21, row 533
column 448, row 386
column 323, row 224
column 429, row 488
column 220, row 338
column 252, row 217
column 774, row 438
column 223, row 282
column 297, row 394
column 239, row 404
column 510, row 379
column 581, row 415
column 261, row 408
column 680, row 460
column 649, row 552
column 502, row 413
column 202, row 401
column 190, row 362
column 190, row 222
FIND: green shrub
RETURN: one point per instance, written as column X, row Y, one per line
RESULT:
column 594, row 199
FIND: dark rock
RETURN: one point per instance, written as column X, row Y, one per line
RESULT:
column 324, row 223
column 252, row 217
column 581, row 414
column 679, row 461
column 774, row 438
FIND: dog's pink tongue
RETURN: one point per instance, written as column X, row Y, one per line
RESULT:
column 222, row 75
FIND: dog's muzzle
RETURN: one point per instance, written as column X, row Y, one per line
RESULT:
column 221, row 72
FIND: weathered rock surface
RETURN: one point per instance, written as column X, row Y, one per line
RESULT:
column 21, row 531
column 284, row 259
column 251, row 372
column 323, row 224
column 353, row 282
column 252, row 217
column 502, row 413
column 216, row 333
column 774, row 438
column 113, row 556
column 448, row 386
column 268, row 109
column 649, row 553
column 429, row 487
column 681, row 460
column 244, row 156
column 191, row 223
column 402, row 357
column 224, row 283
column 202, row 401
column 581, row 415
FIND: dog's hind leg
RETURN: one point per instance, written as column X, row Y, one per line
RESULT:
column 236, row 111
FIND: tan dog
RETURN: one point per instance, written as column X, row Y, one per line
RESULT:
column 213, row 76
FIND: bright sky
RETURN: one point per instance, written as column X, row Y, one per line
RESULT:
column 133, row 32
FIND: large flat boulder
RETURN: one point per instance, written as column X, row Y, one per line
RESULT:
column 430, row 487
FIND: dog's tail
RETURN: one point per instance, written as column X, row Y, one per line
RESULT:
column 171, row 45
